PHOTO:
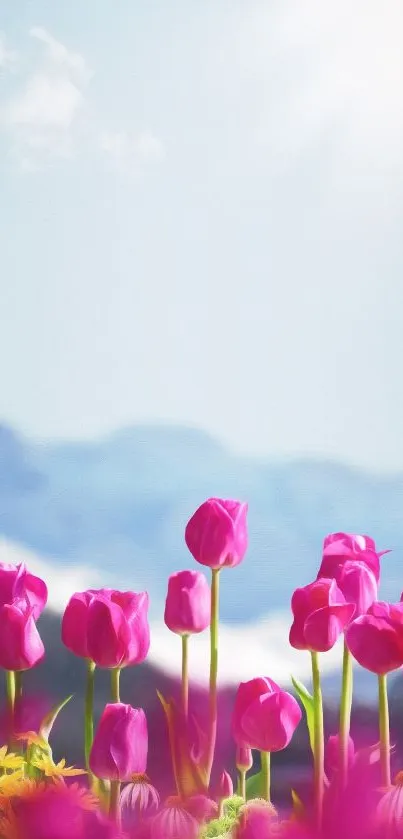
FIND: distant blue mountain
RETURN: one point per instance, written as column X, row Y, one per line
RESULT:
column 121, row 505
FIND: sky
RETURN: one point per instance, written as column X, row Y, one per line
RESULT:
column 201, row 208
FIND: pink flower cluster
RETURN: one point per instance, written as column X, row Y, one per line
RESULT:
column 110, row 629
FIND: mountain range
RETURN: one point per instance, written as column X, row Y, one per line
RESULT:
column 120, row 505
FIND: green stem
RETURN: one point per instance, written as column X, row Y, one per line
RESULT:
column 114, row 808
column 318, row 740
column 213, row 668
column 10, row 690
column 384, row 732
column 242, row 783
column 265, row 762
column 185, row 674
column 18, row 684
column 345, row 714
column 115, row 684
column 89, row 712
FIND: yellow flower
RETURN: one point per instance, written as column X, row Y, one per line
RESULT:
column 55, row 770
column 33, row 739
column 11, row 784
column 8, row 760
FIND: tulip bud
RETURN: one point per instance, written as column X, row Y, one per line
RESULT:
column 225, row 787
column 264, row 716
column 21, row 646
column 375, row 640
column 217, row 535
column 332, row 753
column 243, row 759
column 107, row 626
column 188, row 603
column 16, row 583
column 120, row 744
column 320, row 615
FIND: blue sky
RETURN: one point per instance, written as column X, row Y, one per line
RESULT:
column 200, row 221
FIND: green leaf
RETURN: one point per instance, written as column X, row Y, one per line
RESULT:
column 254, row 786
column 298, row 807
column 307, row 701
column 48, row 721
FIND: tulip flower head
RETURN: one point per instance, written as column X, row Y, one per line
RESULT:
column 320, row 615
column 376, row 639
column 341, row 547
column 16, row 583
column 120, row 745
column 107, row 626
column 264, row 716
column 217, row 535
column 188, row 603
column 243, row 758
column 21, row 647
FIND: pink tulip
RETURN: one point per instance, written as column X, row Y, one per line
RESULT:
column 16, row 583
column 357, row 583
column 332, row 753
column 320, row 615
column 243, row 758
column 217, row 535
column 110, row 627
column 340, row 547
column 120, row 744
column 376, row 639
column 173, row 822
column 264, row 716
column 224, row 787
column 188, row 603
column 21, row 647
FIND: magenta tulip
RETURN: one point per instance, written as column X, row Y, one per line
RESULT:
column 320, row 615
column 224, row 788
column 21, row 646
column 376, row 639
column 217, row 535
column 332, row 753
column 341, row 547
column 109, row 627
column 188, row 603
column 357, row 583
column 16, row 583
column 120, row 745
column 243, row 758
column 264, row 716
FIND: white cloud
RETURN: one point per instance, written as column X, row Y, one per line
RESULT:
column 60, row 55
column 262, row 647
column 8, row 58
column 42, row 118
column 129, row 153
